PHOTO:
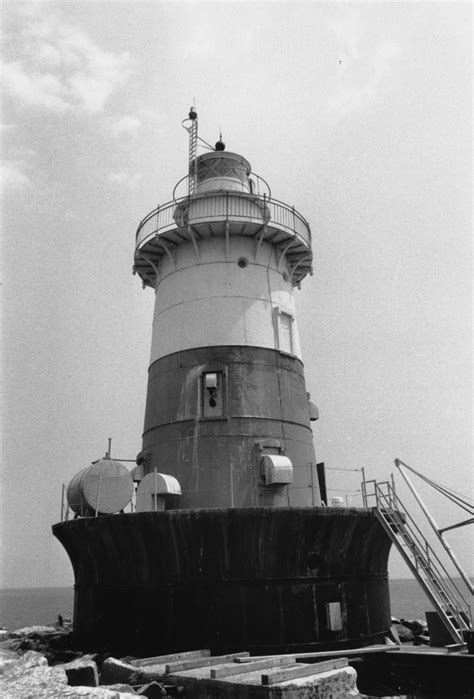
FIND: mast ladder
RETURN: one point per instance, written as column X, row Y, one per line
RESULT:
column 420, row 557
column 193, row 139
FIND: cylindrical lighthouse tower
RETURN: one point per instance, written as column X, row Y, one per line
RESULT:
column 227, row 412
column 228, row 546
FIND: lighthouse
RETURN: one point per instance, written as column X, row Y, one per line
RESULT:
column 227, row 411
column 227, row 544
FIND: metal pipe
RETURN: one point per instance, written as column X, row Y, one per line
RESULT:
column 62, row 504
column 456, row 526
column 98, row 495
column 364, row 488
column 399, row 464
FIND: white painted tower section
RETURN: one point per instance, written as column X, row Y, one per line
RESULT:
column 218, row 296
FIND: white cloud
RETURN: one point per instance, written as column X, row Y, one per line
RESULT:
column 125, row 125
column 60, row 69
column 11, row 175
column 34, row 89
column 124, row 179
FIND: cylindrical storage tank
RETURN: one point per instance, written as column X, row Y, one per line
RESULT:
column 103, row 488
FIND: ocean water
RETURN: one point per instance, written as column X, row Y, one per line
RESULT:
column 29, row 606
column 41, row 605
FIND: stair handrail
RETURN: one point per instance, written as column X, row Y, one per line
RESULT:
column 443, row 581
column 447, row 576
column 401, row 466
column 446, row 618
column 422, row 559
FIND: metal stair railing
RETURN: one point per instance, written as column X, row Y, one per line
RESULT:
column 418, row 554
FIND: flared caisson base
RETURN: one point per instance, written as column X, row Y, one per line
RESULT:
column 267, row 580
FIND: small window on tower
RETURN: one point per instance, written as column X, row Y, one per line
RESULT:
column 213, row 394
column 285, row 332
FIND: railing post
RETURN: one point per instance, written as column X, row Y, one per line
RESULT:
column 363, row 488
column 393, row 495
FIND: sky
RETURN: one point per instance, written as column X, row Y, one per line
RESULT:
column 358, row 114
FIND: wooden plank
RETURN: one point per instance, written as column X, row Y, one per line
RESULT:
column 303, row 670
column 203, row 662
column 365, row 650
column 241, row 668
column 455, row 647
column 172, row 657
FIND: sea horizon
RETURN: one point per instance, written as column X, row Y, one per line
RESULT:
column 30, row 606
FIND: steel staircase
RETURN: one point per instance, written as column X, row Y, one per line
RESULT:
column 418, row 554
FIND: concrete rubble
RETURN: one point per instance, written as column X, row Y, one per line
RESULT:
column 115, row 671
column 40, row 662
column 82, row 672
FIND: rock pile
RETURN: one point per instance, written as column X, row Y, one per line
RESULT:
column 39, row 662
column 413, row 631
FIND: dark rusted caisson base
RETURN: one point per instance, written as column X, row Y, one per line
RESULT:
column 257, row 579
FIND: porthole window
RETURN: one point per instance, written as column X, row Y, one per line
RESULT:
column 242, row 262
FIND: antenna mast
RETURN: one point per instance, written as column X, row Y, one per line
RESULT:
column 193, row 139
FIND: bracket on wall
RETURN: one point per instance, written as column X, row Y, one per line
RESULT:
column 270, row 446
column 303, row 259
column 227, row 240
column 166, row 249
column 194, row 235
column 285, row 249
column 260, row 235
column 156, row 268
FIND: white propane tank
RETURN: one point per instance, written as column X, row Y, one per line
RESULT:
column 337, row 502
column 103, row 488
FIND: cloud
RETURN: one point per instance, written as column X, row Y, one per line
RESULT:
column 34, row 89
column 124, row 179
column 362, row 73
column 125, row 125
column 60, row 69
column 12, row 175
